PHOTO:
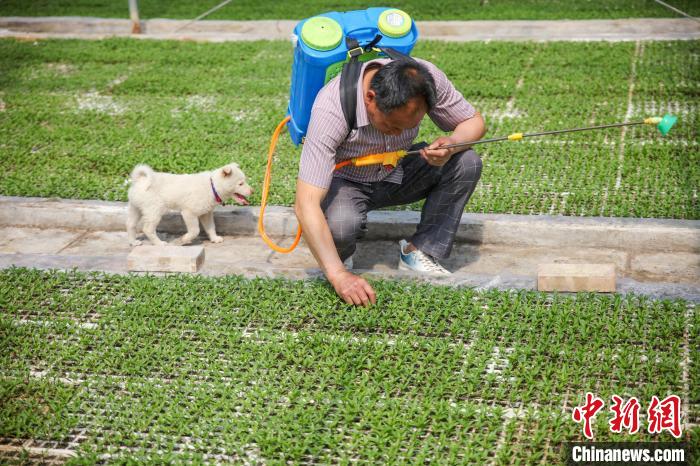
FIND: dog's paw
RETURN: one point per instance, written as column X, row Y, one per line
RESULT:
column 182, row 241
column 136, row 242
column 160, row 243
column 217, row 239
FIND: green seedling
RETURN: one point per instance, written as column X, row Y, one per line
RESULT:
column 178, row 116
column 247, row 378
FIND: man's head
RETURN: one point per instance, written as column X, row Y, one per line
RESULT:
column 399, row 95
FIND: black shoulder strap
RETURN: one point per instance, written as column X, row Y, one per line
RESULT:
column 348, row 83
column 395, row 54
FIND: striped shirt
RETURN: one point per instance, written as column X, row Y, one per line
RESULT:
column 328, row 142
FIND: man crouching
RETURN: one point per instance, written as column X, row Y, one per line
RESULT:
column 331, row 205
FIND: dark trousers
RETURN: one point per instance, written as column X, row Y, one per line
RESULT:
column 445, row 189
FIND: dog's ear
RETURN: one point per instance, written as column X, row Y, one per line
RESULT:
column 226, row 171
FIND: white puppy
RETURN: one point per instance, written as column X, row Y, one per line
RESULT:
column 153, row 193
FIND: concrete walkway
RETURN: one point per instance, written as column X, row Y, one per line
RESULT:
column 458, row 31
column 659, row 258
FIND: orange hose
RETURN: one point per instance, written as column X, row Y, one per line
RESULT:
column 342, row 164
column 266, row 191
column 389, row 157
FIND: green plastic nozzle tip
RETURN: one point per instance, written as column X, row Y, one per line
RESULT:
column 666, row 123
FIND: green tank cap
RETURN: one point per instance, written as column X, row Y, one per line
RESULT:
column 666, row 123
column 394, row 23
column 321, row 33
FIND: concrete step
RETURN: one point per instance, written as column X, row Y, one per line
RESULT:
column 629, row 235
column 473, row 265
column 219, row 31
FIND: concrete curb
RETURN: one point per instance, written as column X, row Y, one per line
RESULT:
column 505, row 281
column 648, row 236
column 459, row 31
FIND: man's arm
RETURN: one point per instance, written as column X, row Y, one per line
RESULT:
column 350, row 287
column 451, row 113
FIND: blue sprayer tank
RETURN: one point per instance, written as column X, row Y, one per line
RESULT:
column 320, row 51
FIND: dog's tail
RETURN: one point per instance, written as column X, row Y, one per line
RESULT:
column 142, row 174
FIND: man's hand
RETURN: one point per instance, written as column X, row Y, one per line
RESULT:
column 353, row 289
column 472, row 129
column 438, row 157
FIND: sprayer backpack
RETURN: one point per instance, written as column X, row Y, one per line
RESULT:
column 325, row 46
column 337, row 43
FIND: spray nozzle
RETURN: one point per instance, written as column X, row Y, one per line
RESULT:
column 666, row 123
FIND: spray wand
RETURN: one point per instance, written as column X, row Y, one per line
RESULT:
column 391, row 159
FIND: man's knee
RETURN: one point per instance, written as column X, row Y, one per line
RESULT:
column 467, row 166
column 346, row 224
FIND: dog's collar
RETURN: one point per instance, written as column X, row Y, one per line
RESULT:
column 213, row 189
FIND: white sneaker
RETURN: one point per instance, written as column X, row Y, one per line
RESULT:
column 348, row 263
column 418, row 261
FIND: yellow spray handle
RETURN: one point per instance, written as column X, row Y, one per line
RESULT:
column 652, row 121
column 515, row 137
column 385, row 158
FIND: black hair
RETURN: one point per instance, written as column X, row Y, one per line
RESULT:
column 399, row 81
